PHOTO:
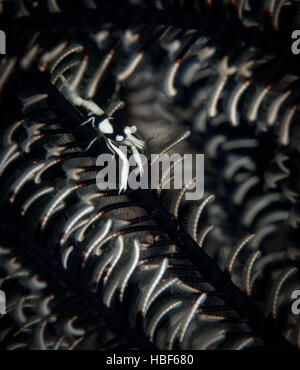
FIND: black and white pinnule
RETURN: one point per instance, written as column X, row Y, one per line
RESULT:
column 112, row 134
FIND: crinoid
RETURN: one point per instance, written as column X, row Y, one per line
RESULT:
column 123, row 268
